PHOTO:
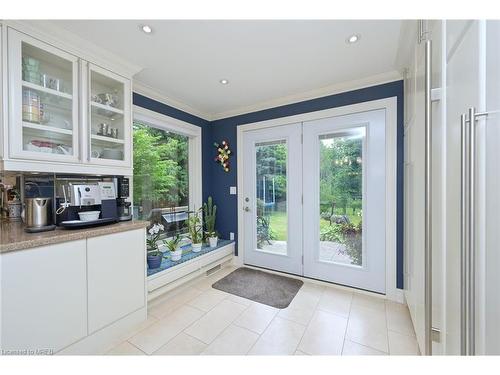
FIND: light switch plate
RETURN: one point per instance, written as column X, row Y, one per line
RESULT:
column 232, row 190
column 231, row 236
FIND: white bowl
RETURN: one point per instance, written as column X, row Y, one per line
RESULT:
column 89, row 215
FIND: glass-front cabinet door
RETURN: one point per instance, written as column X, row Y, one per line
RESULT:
column 109, row 117
column 43, row 82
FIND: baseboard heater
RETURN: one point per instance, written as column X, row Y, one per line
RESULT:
column 164, row 281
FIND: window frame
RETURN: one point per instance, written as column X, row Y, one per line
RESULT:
column 193, row 132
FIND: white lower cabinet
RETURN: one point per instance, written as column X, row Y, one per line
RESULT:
column 44, row 297
column 116, row 274
column 58, row 296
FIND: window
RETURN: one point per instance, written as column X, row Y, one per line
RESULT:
column 166, row 182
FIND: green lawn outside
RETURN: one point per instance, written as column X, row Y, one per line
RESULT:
column 278, row 221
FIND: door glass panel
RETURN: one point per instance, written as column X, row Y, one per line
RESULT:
column 47, row 102
column 271, row 191
column 341, row 197
column 106, row 117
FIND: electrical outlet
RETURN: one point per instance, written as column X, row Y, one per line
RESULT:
column 232, row 190
column 231, row 236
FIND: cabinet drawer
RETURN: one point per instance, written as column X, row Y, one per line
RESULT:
column 116, row 276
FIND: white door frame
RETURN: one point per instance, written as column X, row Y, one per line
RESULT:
column 390, row 106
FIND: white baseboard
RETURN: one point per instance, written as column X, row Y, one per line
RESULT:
column 238, row 261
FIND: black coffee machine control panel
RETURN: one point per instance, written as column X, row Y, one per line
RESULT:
column 123, row 187
column 122, row 194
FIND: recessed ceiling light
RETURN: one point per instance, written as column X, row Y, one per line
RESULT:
column 353, row 39
column 224, row 81
column 147, row 29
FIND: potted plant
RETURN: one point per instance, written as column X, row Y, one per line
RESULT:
column 210, row 211
column 195, row 231
column 175, row 249
column 155, row 256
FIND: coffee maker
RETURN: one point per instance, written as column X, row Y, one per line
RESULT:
column 123, row 193
column 98, row 198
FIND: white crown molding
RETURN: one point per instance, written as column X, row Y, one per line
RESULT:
column 72, row 43
column 152, row 93
column 378, row 79
column 313, row 94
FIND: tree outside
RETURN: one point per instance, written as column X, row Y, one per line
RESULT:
column 341, row 186
column 341, row 197
column 160, row 169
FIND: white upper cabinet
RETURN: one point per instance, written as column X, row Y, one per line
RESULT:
column 108, row 117
column 65, row 114
column 43, row 88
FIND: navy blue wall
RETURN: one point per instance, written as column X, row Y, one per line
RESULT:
column 225, row 129
column 216, row 182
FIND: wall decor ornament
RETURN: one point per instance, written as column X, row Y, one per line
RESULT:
column 223, row 153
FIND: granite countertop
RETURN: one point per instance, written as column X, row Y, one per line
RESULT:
column 13, row 237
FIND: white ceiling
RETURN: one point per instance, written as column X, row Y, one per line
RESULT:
column 263, row 60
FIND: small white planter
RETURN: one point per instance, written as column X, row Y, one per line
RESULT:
column 176, row 255
column 196, row 247
column 212, row 241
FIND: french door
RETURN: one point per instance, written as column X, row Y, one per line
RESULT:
column 273, row 198
column 314, row 199
column 344, row 200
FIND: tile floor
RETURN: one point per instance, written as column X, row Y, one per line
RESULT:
column 321, row 320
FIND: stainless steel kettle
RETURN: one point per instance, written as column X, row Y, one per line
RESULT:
column 38, row 212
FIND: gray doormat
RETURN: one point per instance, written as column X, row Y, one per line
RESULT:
column 263, row 287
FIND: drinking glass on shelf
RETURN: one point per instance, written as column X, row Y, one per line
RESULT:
column 31, row 106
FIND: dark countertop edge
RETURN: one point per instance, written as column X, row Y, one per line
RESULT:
column 65, row 235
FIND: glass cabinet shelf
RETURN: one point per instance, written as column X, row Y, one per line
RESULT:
column 106, row 110
column 47, row 90
column 29, row 125
column 100, row 138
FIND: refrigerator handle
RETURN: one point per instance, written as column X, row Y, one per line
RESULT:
column 428, row 198
column 468, row 232
column 464, row 235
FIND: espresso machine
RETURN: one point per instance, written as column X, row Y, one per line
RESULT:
column 123, row 193
column 88, row 204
